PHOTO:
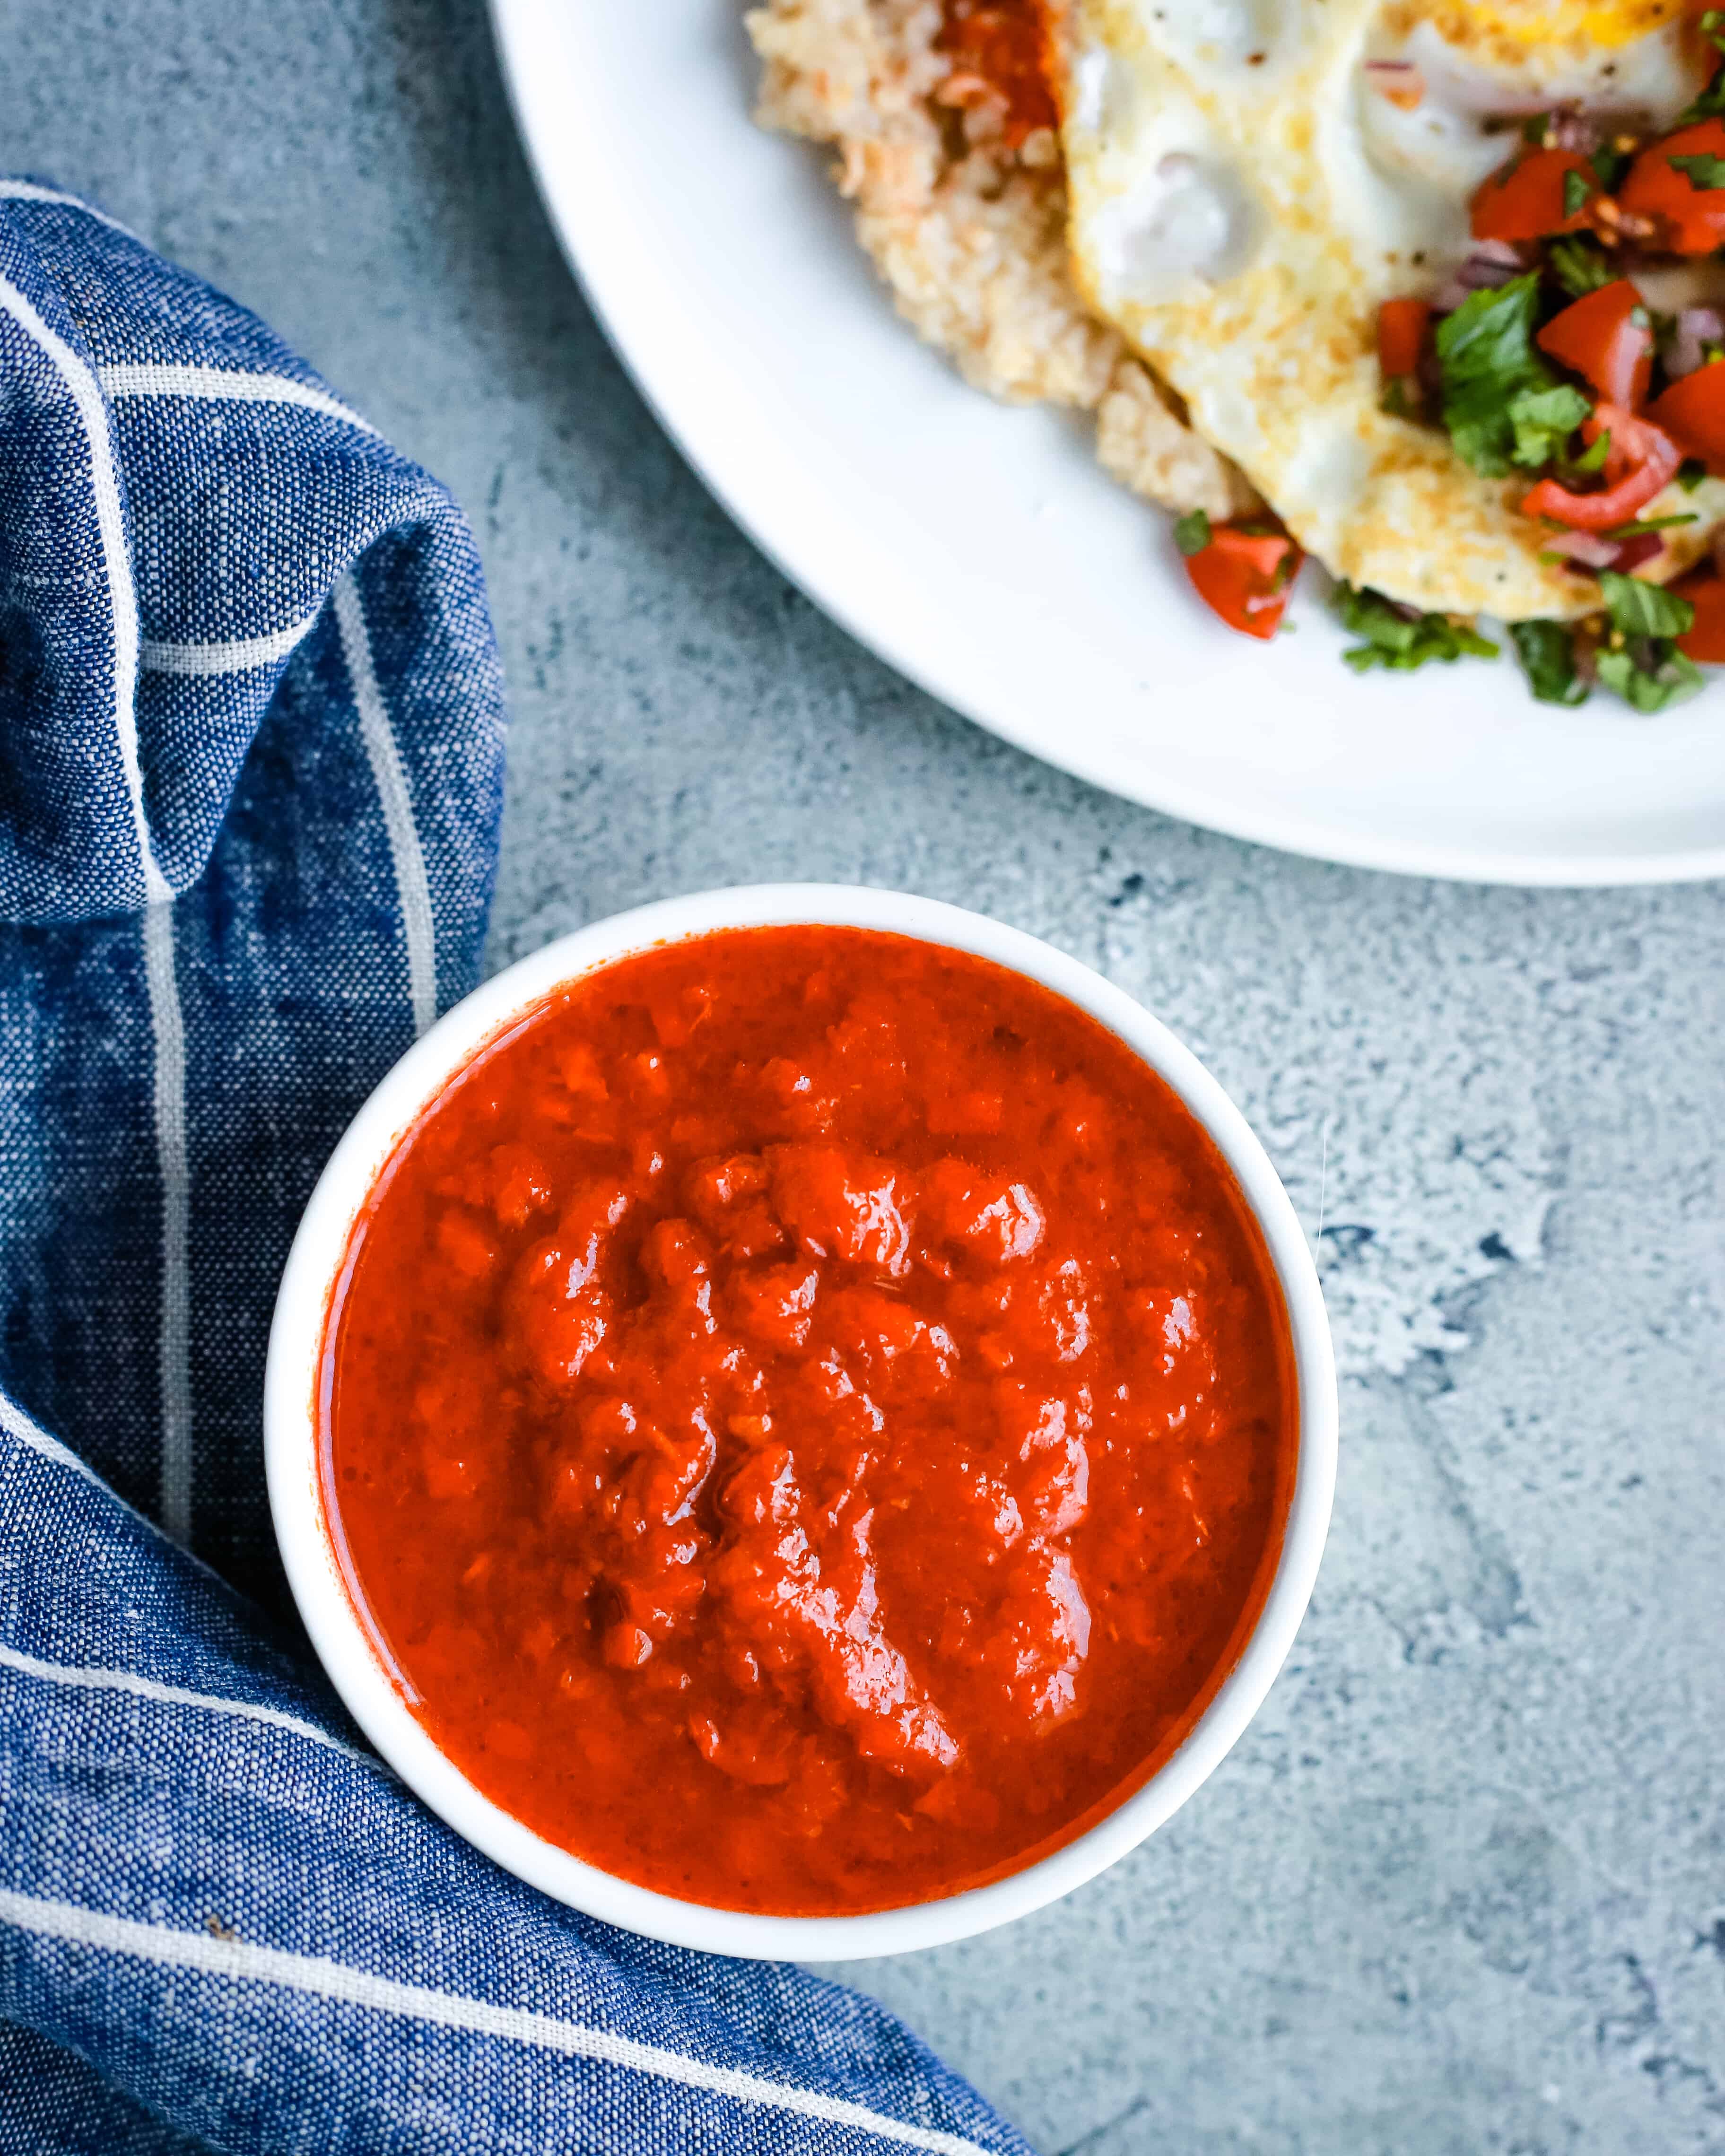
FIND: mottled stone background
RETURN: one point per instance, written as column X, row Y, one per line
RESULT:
column 1462, row 1887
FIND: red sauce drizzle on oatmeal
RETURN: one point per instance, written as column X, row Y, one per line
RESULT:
column 1000, row 59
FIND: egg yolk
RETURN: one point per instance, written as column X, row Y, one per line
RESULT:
column 1507, row 32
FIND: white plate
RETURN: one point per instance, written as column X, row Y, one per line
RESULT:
column 980, row 550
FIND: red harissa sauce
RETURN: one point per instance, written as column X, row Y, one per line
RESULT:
column 810, row 1419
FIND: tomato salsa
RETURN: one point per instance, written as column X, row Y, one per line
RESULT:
column 807, row 1418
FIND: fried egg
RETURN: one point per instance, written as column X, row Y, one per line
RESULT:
column 1250, row 179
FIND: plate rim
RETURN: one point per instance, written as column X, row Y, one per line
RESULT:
column 521, row 29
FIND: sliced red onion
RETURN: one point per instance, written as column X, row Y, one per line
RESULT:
column 1581, row 131
column 1588, row 553
column 1493, row 262
column 1696, row 326
column 1587, row 550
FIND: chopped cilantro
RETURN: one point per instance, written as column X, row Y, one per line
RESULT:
column 1640, row 608
column 1580, row 265
column 1642, row 662
column 1578, row 190
column 1394, row 641
column 1610, row 163
column 1543, row 420
column 1691, row 473
column 1547, row 651
column 1485, row 352
column 1705, row 171
column 1665, row 678
column 1192, row 534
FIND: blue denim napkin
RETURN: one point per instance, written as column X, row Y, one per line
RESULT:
column 251, row 759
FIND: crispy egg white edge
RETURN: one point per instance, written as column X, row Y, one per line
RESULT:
column 1228, row 216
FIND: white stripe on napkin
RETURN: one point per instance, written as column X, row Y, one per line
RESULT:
column 238, row 1958
column 413, row 887
column 164, row 1695
column 175, row 1353
column 27, row 191
column 105, row 486
column 239, row 655
column 225, row 385
column 165, row 1013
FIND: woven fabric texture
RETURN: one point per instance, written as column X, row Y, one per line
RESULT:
column 251, row 755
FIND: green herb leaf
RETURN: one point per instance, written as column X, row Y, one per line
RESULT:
column 1543, row 420
column 1642, row 663
column 1705, row 171
column 1594, row 459
column 1486, row 350
column 1580, row 265
column 1710, row 104
column 1547, row 651
column 1640, row 608
column 1671, row 679
column 1649, row 524
column 1609, row 164
column 1691, row 473
column 1578, row 191
column 1192, row 534
column 1395, row 641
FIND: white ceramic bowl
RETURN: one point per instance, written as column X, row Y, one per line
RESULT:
column 290, row 1432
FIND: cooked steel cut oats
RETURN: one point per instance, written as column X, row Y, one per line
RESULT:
column 969, row 230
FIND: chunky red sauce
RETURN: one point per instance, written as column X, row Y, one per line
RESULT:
column 999, row 54
column 810, row 1420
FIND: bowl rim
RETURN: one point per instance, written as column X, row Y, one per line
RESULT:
column 309, row 1556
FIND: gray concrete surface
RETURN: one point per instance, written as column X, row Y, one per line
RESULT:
column 1463, row 1886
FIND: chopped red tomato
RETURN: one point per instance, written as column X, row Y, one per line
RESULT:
column 1531, row 197
column 1642, row 462
column 1692, row 412
column 1401, row 335
column 1607, row 338
column 1245, row 576
column 1689, row 219
column 1705, row 641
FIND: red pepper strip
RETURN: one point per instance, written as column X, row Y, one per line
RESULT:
column 1691, row 219
column 1601, row 339
column 1525, row 201
column 1401, row 334
column 1647, row 456
column 1705, row 640
column 1245, row 576
column 1692, row 412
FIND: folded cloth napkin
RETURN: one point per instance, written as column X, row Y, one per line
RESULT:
column 250, row 768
